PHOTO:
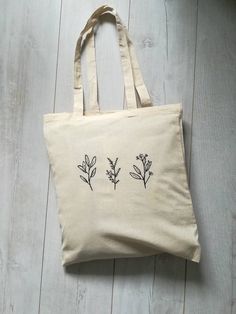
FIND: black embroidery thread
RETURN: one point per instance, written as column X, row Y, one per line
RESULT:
column 86, row 167
column 146, row 174
column 113, row 173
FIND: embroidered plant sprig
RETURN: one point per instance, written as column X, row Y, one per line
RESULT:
column 113, row 173
column 144, row 174
column 86, row 167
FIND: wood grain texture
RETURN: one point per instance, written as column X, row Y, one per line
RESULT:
column 164, row 35
column 187, row 53
column 211, row 288
column 28, row 64
column 86, row 288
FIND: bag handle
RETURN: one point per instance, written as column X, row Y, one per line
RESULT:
column 128, row 79
column 138, row 83
column 129, row 65
column 87, row 32
column 125, row 56
column 136, row 73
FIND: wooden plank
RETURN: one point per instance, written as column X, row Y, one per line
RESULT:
column 164, row 36
column 27, row 77
column 133, row 285
column 87, row 287
column 211, row 287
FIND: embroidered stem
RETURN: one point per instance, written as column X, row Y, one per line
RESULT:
column 113, row 173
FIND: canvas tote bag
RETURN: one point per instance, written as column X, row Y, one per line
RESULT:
column 120, row 177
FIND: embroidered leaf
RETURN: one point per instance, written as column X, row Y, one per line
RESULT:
column 115, row 162
column 117, row 172
column 148, row 166
column 83, row 178
column 137, row 169
column 87, row 160
column 93, row 162
column 81, row 168
column 110, row 161
column 135, row 176
column 93, row 172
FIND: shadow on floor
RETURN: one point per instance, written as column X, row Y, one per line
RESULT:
column 165, row 267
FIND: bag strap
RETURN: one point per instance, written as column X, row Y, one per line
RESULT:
column 132, row 74
column 139, row 85
column 92, row 77
column 136, row 73
column 125, row 60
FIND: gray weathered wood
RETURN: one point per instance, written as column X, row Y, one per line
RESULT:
column 211, row 288
column 33, row 70
column 86, row 288
column 133, row 285
column 164, row 36
column 27, row 77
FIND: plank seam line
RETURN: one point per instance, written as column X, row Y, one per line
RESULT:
column 153, row 284
column 57, row 61
column 129, row 14
column 190, row 145
column 49, row 170
column 167, row 34
column 114, row 261
column 45, row 222
column 113, row 282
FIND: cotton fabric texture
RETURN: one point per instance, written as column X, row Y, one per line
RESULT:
column 120, row 177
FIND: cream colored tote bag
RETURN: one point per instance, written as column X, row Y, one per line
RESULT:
column 120, row 177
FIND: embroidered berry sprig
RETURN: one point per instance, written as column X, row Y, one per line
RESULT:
column 145, row 174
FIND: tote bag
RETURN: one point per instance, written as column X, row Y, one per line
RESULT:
column 120, row 177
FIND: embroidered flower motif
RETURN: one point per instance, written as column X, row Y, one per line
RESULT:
column 145, row 174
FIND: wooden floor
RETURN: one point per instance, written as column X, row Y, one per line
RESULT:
column 187, row 52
